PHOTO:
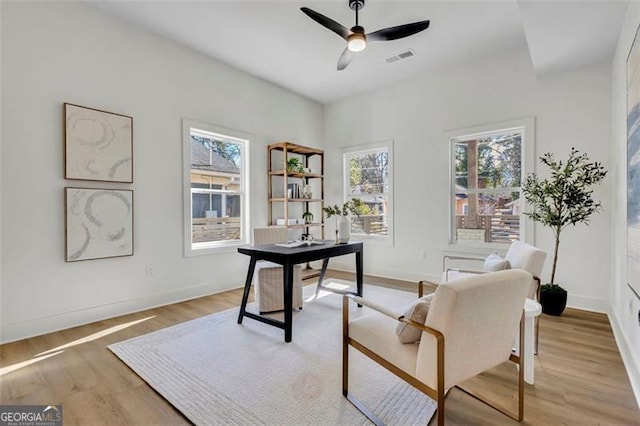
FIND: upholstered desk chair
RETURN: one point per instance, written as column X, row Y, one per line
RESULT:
column 268, row 276
column 470, row 327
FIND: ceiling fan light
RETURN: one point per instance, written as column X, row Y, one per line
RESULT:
column 356, row 42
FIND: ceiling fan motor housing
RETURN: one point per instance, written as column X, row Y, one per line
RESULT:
column 356, row 4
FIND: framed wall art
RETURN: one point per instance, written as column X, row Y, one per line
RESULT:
column 633, row 165
column 98, row 223
column 98, row 145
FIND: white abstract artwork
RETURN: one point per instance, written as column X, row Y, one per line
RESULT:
column 99, row 223
column 98, row 145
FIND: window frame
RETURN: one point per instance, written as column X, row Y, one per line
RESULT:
column 527, row 162
column 243, row 140
column 350, row 151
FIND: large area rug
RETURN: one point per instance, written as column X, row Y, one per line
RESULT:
column 218, row 372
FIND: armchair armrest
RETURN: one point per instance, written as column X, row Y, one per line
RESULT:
column 467, row 271
column 421, row 284
column 375, row 307
column 388, row 312
column 538, row 287
column 446, row 258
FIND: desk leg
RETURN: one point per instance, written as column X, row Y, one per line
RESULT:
column 325, row 263
column 288, row 300
column 247, row 288
column 359, row 272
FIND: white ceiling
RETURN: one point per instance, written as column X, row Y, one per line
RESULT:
column 274, row 40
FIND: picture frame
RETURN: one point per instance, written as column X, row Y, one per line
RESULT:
column 633, row 164
column 98, row 223
column 98, row 145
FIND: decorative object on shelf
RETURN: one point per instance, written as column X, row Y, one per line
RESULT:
column 294, row 165
column 343, row 222
column 561, row 200
column 306, row 192
column 307, row 216
column 99, row 223
column 98, row 145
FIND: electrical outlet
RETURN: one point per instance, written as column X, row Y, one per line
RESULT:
column 150, row 270
column 423, row 254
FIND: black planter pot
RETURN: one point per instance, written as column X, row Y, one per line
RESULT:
column 553, row 299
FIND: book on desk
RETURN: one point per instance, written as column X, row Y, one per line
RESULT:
column 300, row 243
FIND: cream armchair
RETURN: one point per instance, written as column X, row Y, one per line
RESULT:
column 470, row 327
column 267, row 277
column 519, row 256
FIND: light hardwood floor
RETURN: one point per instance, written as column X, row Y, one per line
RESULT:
column 580, row 378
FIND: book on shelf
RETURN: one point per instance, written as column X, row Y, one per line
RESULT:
column 293, row 190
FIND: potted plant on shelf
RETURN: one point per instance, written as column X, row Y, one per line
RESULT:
column 343, row 224
column 294, row 165
column 308, row 217
column 563, row 199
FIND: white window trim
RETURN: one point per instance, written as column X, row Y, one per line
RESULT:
column 388, row 240
column 527, row 163
column 217, row 247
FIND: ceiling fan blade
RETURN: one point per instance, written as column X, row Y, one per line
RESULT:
column 345, row 59
column 394, row 33
column 329, row 23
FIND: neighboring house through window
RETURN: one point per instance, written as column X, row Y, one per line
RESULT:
column 216, row 178
column 488, row 166
column 368, row 175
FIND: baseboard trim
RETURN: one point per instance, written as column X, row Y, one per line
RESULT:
column 588, row 303
column 48, row 324
column 631, row 364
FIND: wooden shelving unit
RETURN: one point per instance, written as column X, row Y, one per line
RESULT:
column 283, row 207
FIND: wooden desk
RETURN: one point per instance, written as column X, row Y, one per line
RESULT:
column 288, row 257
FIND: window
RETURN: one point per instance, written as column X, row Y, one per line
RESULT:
column 488, row 167
column 216, row 179
column 368, row 172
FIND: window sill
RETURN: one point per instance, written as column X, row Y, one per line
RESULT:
column 206, row 250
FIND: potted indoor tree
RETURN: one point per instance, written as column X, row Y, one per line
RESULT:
column 343, row 225
column 563, row 199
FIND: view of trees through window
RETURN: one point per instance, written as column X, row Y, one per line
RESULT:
column 368, row 173
column 488, row 172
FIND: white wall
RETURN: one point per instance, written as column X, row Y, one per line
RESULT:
column 625, row 306
column 69, row 52
column 570, row 109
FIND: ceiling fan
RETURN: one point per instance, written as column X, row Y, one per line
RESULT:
column 356, row 38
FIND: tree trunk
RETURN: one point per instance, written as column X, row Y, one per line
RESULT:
column 555, row 257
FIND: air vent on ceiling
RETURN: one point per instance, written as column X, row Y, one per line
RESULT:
column 404, row 55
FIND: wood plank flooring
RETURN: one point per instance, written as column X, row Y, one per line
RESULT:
column 580, row 378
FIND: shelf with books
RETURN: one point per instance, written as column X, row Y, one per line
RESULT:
column 296, row 188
